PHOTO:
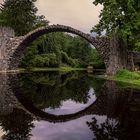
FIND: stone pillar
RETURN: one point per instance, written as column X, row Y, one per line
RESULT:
column 118, row 58
column 6, row 34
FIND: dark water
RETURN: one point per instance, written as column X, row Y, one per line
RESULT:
column 67, row 106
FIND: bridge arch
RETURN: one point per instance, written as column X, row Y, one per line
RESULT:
column 19, row 45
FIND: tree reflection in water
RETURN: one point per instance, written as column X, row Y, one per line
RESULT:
column 122, row 116
column 44, row 90
column 17, row 125
column 50, row 89
column 109, row 130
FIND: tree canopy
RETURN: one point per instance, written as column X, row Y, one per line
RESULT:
column 20, row 15
column 120, row 20
column 119, row 16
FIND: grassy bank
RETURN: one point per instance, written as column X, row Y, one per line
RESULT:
column 127, row 78
column 51, row 69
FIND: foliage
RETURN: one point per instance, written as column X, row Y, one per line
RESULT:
column 96, row 61
column 20, row 15
column 121, row 17
column 57, row 49
column 118, row 15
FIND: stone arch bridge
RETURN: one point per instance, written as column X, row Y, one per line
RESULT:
column 12, row 48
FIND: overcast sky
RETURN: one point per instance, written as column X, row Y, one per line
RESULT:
column 80, row 14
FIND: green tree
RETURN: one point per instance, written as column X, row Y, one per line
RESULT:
column 95, row 60
column 121, row 17
column 20, row 15
column 79, row 49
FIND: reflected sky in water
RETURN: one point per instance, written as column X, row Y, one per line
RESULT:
column 70, row 106
column 72, row 130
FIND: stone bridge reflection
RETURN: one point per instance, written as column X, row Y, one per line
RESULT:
column 111, row 101
column 120, row 107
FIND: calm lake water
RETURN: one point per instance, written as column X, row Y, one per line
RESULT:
column 67, row 106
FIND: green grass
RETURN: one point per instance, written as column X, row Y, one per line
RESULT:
column 127, row 77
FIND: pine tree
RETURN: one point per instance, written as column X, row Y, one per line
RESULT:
column 20, row 15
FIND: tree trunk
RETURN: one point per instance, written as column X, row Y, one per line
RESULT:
column 120, row 57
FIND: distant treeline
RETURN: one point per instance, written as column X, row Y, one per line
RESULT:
column 60, row 49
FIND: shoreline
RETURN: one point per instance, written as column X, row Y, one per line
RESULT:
column 121, row 79
column 125, row 78
column 21, row 70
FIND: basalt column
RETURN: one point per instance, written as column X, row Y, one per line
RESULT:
column 6, row 34
column 119, row 57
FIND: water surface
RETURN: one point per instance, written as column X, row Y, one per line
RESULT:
column 67, row 106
